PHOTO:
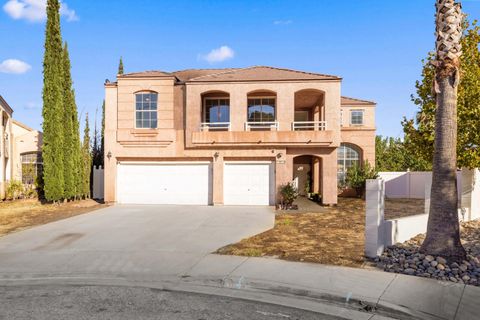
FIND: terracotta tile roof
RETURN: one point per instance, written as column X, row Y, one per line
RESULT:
column 145, row 74
column 261, row 73
column 5, row 105
column 353, row 101
column 255, row 73
column 185, row 75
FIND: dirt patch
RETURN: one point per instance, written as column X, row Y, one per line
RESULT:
column 400, row 208
column 22, row 214
column 335, row 236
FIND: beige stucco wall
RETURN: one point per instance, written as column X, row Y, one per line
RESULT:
column 179, row 118
column 368, row 115
column 25, row 141
column 6, row 149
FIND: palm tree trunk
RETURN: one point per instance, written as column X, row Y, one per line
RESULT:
column 443, row 231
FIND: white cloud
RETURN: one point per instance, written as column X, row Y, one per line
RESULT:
column 14, row 66
column 32, row 106
column 218, row 55
column 282, row 22
column 35, row 10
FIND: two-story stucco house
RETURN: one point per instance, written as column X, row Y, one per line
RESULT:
column 230, row 136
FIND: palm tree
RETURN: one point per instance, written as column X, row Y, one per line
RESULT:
column 443, row 232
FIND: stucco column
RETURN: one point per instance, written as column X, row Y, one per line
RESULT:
column 285, row 109
column 238, row 110
column 283, row 171
column 217, row 187
column 316, row 173
column 329, row 178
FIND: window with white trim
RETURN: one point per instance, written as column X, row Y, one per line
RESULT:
column 347, row 157
column 146, row 110
column 356, row 117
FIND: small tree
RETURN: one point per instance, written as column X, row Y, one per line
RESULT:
column 120, row 66
column 87, row 160
column 289, row 193
column 357, row 177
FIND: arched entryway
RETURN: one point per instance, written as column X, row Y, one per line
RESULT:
column 307, row 173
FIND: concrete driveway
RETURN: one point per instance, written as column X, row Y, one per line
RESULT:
column 129, row 239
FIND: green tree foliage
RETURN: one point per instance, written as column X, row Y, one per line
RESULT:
column 392, row 155
column 52, row 111
column 120, row 66
column 97, row 155
column 87, row 160
column 357, row 176
column 102, row 139
column 68, row 129
column 419, row 133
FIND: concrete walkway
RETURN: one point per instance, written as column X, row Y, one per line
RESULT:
column 169, row 248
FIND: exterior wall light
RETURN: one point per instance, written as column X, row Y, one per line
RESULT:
column 279, row 155
column 109, row 155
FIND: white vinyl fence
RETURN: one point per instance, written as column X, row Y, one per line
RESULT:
column 380, row 233
column 98, row 182
column 409, row 184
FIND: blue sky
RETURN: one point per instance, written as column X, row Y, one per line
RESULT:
column 375, row 45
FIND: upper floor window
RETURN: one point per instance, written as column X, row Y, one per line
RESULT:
column 261, row 109
column 216, row 110
column 146, row 110
column 356, row 117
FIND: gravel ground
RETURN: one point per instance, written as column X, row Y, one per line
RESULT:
column 405, row 258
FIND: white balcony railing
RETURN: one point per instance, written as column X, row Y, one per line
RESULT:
column 269, row 125
column 309, row 125
column 211, row 126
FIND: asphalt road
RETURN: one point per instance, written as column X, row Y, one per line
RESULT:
column 107, row 302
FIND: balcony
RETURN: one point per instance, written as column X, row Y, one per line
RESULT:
column 302, row 133
column 309, row 125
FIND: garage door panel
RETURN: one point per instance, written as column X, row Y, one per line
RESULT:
column 248, row 184
column 164, row 184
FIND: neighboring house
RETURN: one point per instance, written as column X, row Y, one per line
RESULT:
column 230, row 136
column 27, row 153
column 6, row 145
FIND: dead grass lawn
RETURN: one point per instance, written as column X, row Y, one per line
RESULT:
column 333, row 236
column 22, row 214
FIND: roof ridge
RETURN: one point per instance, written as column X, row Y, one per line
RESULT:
column 359, row 100
column 299, row 71
column 145, row 71
column 219, row 73
column 203, row 69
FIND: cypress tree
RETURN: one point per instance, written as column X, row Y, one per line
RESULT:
column 52, row 111
column 120, row 66
column 102, row 139
column 87, row 160
column 68, row 143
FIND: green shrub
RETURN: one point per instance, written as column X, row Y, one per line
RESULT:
column 15, row 190
column 357, row 177
column 288, row 193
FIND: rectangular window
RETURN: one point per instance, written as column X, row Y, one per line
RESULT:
column 146, row 110
column 356, row 117
column 32, row 166
column 261, row 110
column 216, row 110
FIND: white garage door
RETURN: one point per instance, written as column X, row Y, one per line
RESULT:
column 156, row 183
column 248, row 184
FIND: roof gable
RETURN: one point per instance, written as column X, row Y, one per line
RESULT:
column 347, row 101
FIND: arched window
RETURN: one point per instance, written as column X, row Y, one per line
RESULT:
column 261, row 113
column 32, row 166
column 347, row 156
column 146, row 110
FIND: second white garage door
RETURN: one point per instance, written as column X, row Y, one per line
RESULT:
column 248, row 184
column 169, row 183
